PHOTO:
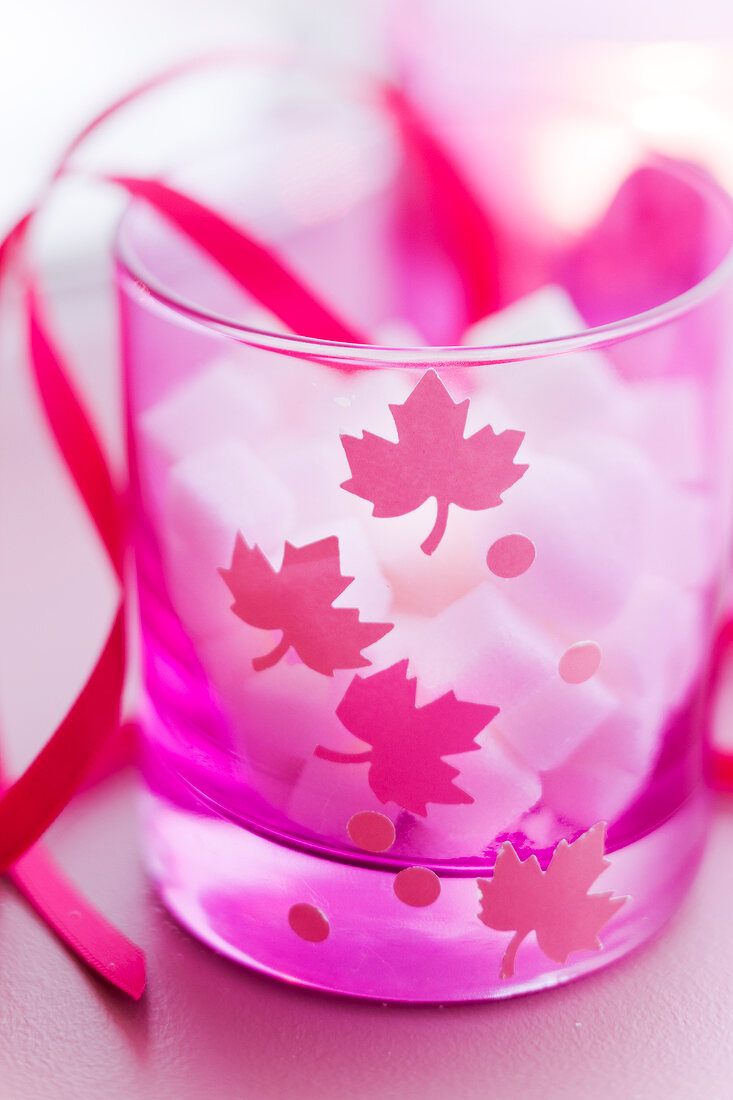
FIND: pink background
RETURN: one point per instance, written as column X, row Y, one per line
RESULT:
column 655, row 1025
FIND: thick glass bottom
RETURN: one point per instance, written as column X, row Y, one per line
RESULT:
column 235, row 890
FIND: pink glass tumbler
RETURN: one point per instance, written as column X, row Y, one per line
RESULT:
column 426, row 628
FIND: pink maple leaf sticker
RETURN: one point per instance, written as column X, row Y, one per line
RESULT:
column 432, row 459
column 555, row 903
column 408, row 741
column 297, row 600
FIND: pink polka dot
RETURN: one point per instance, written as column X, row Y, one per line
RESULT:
column 308, row 922
column 371, row 831
column 580, row 662
column 417, row 886
column 510, row 556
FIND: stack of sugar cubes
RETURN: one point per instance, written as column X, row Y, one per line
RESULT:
column 613, row 500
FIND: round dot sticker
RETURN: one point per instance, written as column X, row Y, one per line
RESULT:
column 510, row 556
column 308, row 922
column 580, row 662
column 371, row 831
column 417, row 886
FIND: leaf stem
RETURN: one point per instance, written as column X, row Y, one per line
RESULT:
column 342, row 757
column 507, row 963
column 271, row 658
column 433, row 539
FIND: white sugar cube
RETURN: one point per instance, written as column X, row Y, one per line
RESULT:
column 655, row 648
column 589, row 522
column 312, row 470
column 277, row 716
column 669, row 424
column 544, row 314
column 488, row 651
column 223, row 400
column 398, row 332
column 327, row 794
column 601, row 779
column 674, row 526
column 483, row 649
column 369, row 591
column 425, row 584
column 652, row 654
column 503, row 788
column 361, row 401
column 213, row 495
column 551, row 395
column 687, row 536
column 555, row 719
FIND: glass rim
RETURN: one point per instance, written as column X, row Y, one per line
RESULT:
column 374, row 355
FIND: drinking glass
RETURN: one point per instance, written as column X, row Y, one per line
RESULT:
column 426, row 619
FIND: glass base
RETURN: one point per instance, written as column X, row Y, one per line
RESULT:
column 234, row 889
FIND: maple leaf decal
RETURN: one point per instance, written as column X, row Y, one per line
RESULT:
column 408, row 741
column 432, row 459
column 297, row 600
column 555, row 903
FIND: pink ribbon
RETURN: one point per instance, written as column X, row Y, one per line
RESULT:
column 459, row 221
column 254, row 266
column 33, row 801
column 78, row 924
